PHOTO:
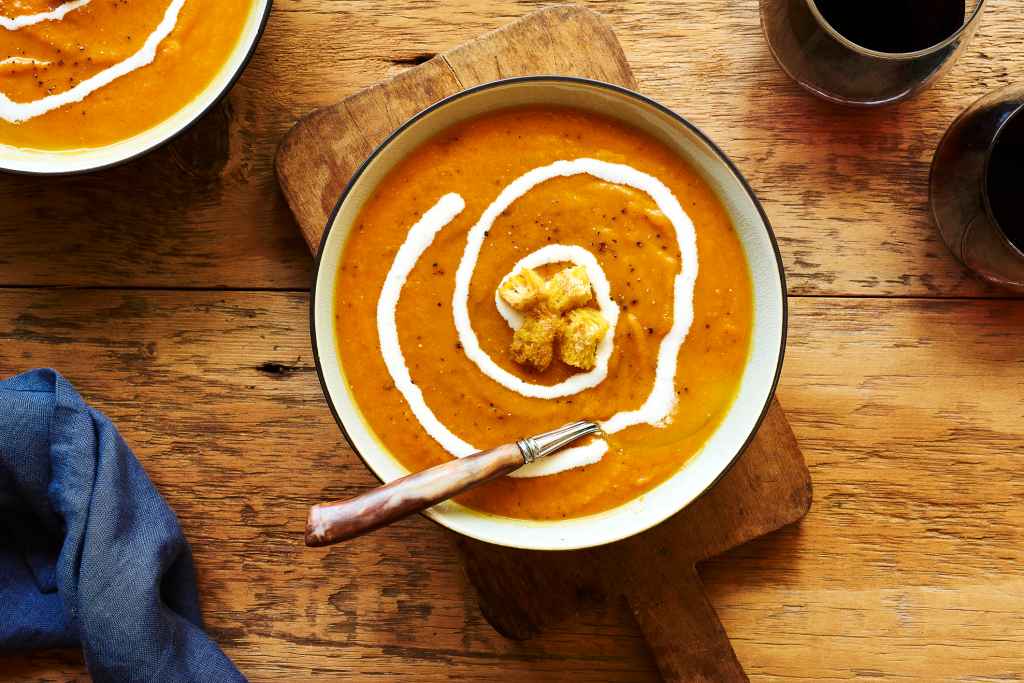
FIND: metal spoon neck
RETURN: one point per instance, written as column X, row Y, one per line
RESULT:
column 543, row 445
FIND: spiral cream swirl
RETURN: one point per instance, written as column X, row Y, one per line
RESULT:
column 660, row 402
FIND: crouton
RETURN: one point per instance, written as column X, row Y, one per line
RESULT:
column 583, row 330
column 568, row 288
column 523, row 291
column 533, row 343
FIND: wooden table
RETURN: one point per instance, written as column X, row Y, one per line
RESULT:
column 173, row 293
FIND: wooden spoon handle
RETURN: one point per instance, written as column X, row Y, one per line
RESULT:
column 341, row 520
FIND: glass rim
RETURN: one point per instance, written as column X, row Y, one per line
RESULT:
column 894, row 56
column 1018, row 111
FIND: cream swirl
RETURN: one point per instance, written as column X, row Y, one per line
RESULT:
column 660, row 402
column 56, row 14
column 18, row 112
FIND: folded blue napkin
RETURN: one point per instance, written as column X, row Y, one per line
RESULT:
column 89, row 551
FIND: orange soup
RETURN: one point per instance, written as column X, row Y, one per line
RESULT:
column 634, row 244
column 83, row 42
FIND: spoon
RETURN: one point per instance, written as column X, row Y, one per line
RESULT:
column 344, row 519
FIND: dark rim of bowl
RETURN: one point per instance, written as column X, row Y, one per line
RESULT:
column 592, row 83
column 175, row 135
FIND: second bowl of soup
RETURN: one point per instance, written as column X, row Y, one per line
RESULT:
column 91, row 83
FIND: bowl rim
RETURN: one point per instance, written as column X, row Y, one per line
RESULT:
column 173, row 135
column 643, row 99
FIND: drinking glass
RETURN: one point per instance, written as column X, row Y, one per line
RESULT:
column 830, row 65
column 977, row 187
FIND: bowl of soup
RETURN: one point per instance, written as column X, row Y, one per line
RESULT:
column 91, row 83
column 536, row 251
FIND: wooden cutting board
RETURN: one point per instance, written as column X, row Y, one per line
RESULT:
column 521, row 592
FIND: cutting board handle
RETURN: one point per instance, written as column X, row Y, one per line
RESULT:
column 681, row 627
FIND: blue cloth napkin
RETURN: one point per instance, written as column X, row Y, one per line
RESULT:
column 89, row 551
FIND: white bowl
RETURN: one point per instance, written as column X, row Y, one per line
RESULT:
column 768, row 339
column 61, row 162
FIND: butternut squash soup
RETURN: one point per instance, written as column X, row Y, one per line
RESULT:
column 88, row 73
column 533, row 267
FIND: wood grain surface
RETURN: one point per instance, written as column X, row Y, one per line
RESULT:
column 907, row 567
column 172, row 292
column 845, row 189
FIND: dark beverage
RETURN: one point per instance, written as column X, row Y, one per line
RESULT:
column 868, row 52
column 1005, row 180
column 894, row 25
column 976, row 190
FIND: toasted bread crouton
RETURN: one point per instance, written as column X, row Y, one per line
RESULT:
column 583, row 330
column 568, row 288
column 523, row 291
column 533, row 343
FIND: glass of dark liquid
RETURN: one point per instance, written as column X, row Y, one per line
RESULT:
column 868, row 52
column 977, row 187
